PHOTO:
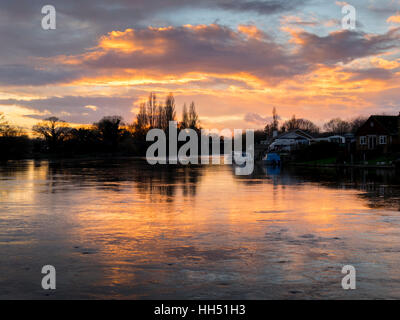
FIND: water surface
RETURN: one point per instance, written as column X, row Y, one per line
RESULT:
column 123, row 229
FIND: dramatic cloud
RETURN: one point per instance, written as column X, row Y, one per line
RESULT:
column 236, row 59
column 213, row 49
column 25, row 75
column 371, row 73
column 262, row 7
column 219, row 50
column 345, row 46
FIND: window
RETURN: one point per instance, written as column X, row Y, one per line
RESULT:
column 382, row 140
column 363, row 140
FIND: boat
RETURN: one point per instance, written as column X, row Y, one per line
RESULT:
column 272, row 159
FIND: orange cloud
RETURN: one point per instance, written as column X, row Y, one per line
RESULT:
column 394, row 19
column 127, row 42
column 178, row 51
column 251, row 31
column 229, row 73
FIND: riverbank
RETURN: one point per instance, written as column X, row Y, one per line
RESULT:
column 382, row 162
column 88, row 156
column 321, row 165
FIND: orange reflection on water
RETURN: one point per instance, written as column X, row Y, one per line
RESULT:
column 129, row 230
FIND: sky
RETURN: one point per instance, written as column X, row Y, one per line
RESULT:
column 236, row 59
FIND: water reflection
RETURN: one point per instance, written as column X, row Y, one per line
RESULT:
column 124, row 229
column 381, row 187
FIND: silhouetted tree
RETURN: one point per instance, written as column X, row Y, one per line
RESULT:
column 109, row 130
column 269, row 130
column 142, row 119
column 337, row 126
column 7, row 129
column 273, row 126
column 3, row 123
column 53, row 130
column 14, row 143
column 83, row 140
column 169, row 110
column 275, row 119
column 302, row 124
column 160, row 117
column 152, row 110
column 185, row 118
column 357, row 122
column 193, row 117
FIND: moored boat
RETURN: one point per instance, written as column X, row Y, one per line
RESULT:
column 272, row 159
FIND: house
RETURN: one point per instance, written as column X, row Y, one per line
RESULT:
column 379, row 133
column 333, row 139
column 290, row 140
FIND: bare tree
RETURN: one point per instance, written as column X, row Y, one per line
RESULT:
column 7, row 129
column 302, row 124
column 53, row 130
column 169, row 110
column 142, row 119
column 152, row 110
column 193, row 117
column 160, row 117
column 337, row 126
column 272, row 126
column 357, row 122
column 275, row 119
column 269, row 129
column 3, row 121
column 185, row 118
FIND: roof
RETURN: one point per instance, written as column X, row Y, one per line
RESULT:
column 389, row 122
column 292, row 135
column 385, row 124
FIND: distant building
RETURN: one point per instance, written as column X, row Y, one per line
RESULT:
column 381, row 133
column 291, row 140
column 333, row 139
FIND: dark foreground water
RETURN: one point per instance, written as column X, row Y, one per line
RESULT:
column 125, row 229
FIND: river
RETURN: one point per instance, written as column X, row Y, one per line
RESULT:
column 123, row 229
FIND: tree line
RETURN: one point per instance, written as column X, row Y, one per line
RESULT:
column 335, row 126
column 111, row 135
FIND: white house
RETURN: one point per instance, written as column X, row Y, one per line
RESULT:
column 333, row 139
column 291, row 140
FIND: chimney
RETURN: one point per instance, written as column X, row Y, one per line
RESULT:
column 275, row 132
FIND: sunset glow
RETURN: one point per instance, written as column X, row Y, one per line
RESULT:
column 200, row 157
column 297, row 58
